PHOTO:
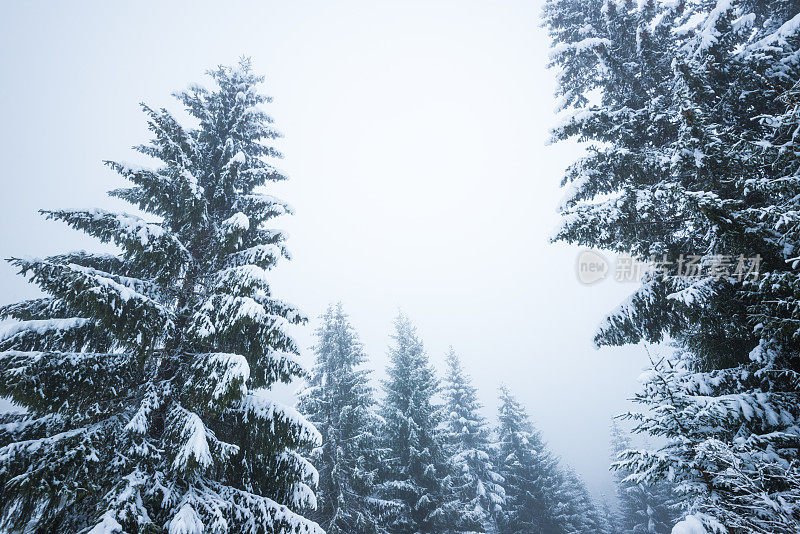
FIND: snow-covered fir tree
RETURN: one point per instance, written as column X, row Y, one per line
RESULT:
column 642, row 508
column 608, row 517
column 476, row 490
column 145, row 375
column 414, row 469
column 532, row 477
column 736, row 481
column 340, row 402
column 690, row 108
column 576, row 510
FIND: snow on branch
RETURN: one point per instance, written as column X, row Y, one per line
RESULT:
column 258, row 406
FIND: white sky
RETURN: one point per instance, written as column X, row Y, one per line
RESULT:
column 415, row 140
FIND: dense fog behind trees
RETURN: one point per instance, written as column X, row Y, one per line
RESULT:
column 423, row 458
column 147, row 374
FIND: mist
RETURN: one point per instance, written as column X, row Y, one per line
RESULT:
column 416, row 143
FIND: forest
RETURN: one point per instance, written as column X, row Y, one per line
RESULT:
column 145, row 380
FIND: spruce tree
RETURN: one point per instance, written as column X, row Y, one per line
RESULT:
column 690, row 109
column 476, row 490
column 415, row 466
column 609, row 519
column 576, row 511
column 145, row 375
column 340, row 401
column 541, row 496
column 531, row 473
column 642, row 508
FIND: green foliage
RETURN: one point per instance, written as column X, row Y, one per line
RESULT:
column 689, row 111
column 145, row 375
column 476, row 490
column 414, row 469
column 340, row 402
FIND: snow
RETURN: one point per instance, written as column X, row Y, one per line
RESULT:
column 186, row 521
column 108, row 525
column 41, row 327
column 687, row 27
column 302, row 496
column 696, row 293
column 191, row 181
column 236, row 369
column 257, row 404
column 238, row 222
column 130, row 225
column 273, row 204
column 690, row 525
column 787, row 29
column 590, row 43
column 134, row 167
column 123, row 292
column 242, row 276
column 36, row 445
column 708, row 33
column 262, row 255
column 139, row 423
column 745, row 21
column 122, row 228
column 305, row 468
column 195, row 443
column 254, row 511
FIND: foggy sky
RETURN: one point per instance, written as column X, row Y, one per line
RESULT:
column 416, row 145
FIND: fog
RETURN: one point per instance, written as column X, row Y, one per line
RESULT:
column 415, row 138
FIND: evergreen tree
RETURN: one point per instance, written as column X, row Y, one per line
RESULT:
column 609, row 519
column 476, row 488
column 642, row 508
column 414, row 469
column 576, row 511
column 694, row 154
column 145, row 375
column 339, row 401
column 541, row 496
column 735, row 481
column 531, row 473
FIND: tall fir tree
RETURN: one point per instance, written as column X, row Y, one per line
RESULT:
column 541, row 496
column 609, row 518
column 145, row 375
column 340, row 402
column 690, row 109
column 415, row 466
column 476, row 492
column 577, row 512
column 642, row 508
column 531, row 474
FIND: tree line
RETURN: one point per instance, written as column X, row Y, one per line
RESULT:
column 423, row 458
column 144, row 378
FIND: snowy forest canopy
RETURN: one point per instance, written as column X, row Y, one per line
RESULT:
column 146, row 378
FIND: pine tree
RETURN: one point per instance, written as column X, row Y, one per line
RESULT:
column 415, row 468
column 694, row 153
column 531, row 473
column 576, row 511
column 339, row 401
column 609, row 519
column 145, row 375
column 731, row 478
column 642, row 508
column 476, row 487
